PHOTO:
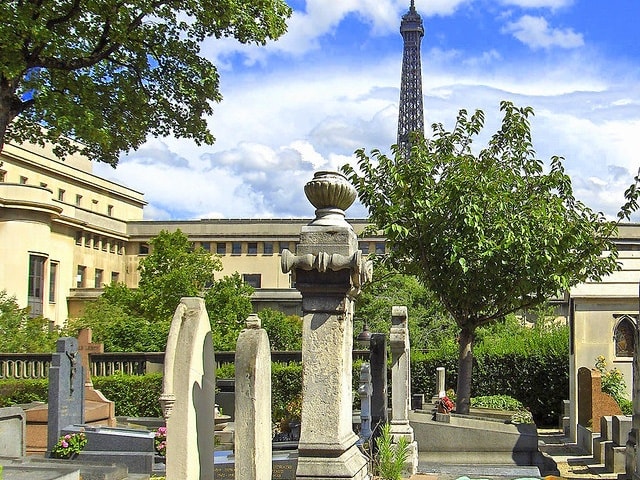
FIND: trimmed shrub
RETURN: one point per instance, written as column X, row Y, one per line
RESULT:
column 17, row 392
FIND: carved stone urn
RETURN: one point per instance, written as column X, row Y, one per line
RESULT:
column 331, row 194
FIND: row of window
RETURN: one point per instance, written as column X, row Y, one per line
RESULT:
column 98, row 277
column 265, row 248
column 79, row 200
column 100, row 243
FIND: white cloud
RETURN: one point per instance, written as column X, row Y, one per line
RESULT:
column 552, row 4
column 536, row 33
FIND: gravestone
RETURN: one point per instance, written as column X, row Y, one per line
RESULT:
column 188, row 393
column 66, row 389
column 253, row 403
column 378, row 361
column 593, row 403
column 12, row 432
column 364, row 392
column 98, row 410
column 328, row 270
column 401, row 386
column 440, row 385
column 283, row 465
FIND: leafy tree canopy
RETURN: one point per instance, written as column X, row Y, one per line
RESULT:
column 19, row 333
column 108, row 73
column 128, row 319
column 490, row 232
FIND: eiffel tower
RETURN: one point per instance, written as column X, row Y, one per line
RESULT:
column 411, row 112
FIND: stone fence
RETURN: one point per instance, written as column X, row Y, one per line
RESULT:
column 36, row 365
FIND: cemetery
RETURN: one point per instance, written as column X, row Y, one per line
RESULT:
column 76, row 434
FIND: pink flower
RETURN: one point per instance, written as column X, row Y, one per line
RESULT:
column 64, row 444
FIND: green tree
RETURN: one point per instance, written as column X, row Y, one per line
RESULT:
column 109, row 73
column 173, row 269
column 228, row 303
column 127, row 319
column 429, row 323
column 285, row 331
column 489, row 233
column 19, row 333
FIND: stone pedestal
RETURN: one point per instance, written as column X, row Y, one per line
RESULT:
column 328, row 270
column 401, row 386
column 253, row 403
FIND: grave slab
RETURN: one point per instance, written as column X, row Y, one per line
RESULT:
column 283, row 465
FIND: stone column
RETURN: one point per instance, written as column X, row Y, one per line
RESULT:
column 440, row 385
column 253, row 403
column 188, row 393
column 401, row 385
column 328, row 270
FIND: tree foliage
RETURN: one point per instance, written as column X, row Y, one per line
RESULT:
column 19, row 332
column 127, row 319
column 110, row 72
column 429, row 323
column 284, row 331
column 489, row 232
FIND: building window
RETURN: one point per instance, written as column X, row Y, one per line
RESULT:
column 61, row 194
column 53, row 279
column 221, row 248
column 80, row 276
column 623, row 337
column 120, row 248
column 98, row 278
column 380, row 248
column 110, row 210
column 23, row 180
column 143, row 249
column 87, row 241
column 36, row 285
column 206, row 246
column 78, row 200
column 115, row 277
column 112, row 246
column 96, row 243
column 3, row 174
column 267, row 248
column 103, row 244
column 236, row 248
column 252, row 248
column 284, row 246
column 252, row 279
column 364, row 246
column 78, row 238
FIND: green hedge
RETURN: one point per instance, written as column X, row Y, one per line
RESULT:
column 540, row 382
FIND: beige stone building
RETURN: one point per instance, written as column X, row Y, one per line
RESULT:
column 65, row 232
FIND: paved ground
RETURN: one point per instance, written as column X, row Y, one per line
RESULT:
column 572, row 463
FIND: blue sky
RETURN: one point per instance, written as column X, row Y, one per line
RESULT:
column 331, row 86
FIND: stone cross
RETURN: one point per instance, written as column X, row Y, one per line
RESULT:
column 85, row 348
column 328, row 270
column 253, row 403
column 364, row 391
column 401, row 385
column 66, row 389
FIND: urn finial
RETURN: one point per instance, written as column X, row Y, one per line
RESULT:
column 331, row 194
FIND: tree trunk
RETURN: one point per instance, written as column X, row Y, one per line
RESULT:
column 465, row 368
column 10, row 106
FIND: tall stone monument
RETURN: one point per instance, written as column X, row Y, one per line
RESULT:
column 328, row 270
column 401, row 385
column 188, row 393
column 253, row 403
column 66, row 389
